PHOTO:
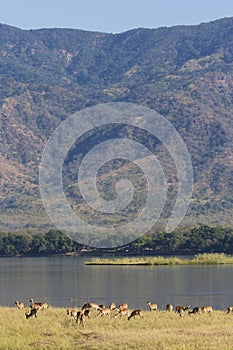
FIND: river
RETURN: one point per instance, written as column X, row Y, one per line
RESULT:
column 66, row 281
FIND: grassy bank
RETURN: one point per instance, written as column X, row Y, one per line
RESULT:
column 200, row 259
column 157, row 330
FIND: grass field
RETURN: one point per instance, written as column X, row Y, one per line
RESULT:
column 161, row 330
column 199, row 259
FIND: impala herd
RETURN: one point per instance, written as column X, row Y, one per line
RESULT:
column 80, row 314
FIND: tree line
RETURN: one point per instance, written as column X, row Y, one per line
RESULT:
column 53, row 242
column 203, row 239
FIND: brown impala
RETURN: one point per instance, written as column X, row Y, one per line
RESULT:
column 33, row 312
column 152, row 307
column 195, row 310
column 105, row 311
column 44, row 306
column 19, row 305
column 229, row 309
column 73, row 312
column 122, row 307
column 80, row 317
column 207, row 309
column 169, row 307
column 184, row 308
column 135, row 313
column 181, row 310
column 92, row 306
column 112, row 306
column 122, row 312
column 38, row 305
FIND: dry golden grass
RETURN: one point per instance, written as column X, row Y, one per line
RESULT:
column 161, row 330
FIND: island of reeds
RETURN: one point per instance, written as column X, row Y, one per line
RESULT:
column 199, row 259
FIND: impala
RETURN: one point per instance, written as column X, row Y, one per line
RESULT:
column 181, row 310
column 105, row 311
column 72, row 312
column 112, row 306
column 169, row 307
column 101, row 306
column 207, row 309
column 195, row 310
column 33, row 312
column 80, row 317
column 93, row 306
column 69, row 310
column 184, row 308
column 19, row 305
column 122, row 312
column 44, row 306
column 229, row 309
column 87, row 313
column 152, row 307
column 122, row 307
column 135, row 313
column 35, row 305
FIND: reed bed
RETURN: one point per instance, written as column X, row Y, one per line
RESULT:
column 53, row 329
column 199, row 259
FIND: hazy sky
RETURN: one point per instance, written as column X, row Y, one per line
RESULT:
column 111, row 15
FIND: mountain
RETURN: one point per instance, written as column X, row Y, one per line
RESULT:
column 185, row 73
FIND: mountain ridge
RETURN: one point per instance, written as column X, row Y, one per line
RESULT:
column 183, row 72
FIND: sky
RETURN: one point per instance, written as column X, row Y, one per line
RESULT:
column 112, row 16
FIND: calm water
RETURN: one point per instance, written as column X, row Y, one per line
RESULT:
column 66, row 281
